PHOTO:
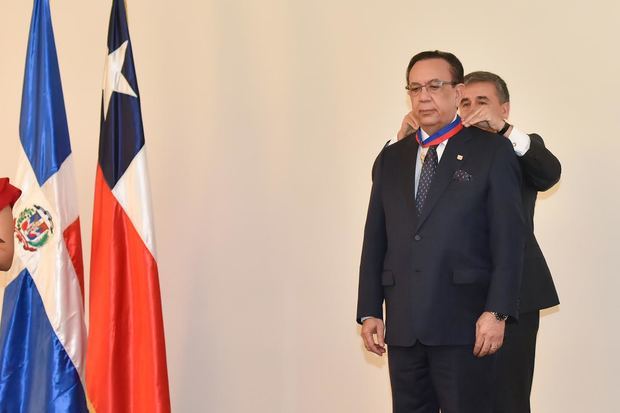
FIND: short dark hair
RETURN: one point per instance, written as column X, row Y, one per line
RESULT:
column 456, row 68
column 500, row 85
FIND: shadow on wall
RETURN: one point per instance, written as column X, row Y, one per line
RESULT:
column 549, row 311
column 550, row 192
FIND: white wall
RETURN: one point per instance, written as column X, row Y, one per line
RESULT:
column 262, row 120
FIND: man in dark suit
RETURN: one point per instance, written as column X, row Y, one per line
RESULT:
column 486, row 104
column 443, row 248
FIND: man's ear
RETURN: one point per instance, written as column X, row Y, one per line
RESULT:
column 505, row 110
column 459, row 93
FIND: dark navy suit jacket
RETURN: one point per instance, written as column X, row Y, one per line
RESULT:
column 438, row 272
column 541, row 170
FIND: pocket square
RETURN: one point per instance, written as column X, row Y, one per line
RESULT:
column 461, row 175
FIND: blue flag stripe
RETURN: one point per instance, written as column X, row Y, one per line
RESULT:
column 122, row 131
column 43, row 129
column 37, row 373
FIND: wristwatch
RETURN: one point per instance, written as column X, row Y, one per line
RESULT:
column 504, row 129
column 499, row 316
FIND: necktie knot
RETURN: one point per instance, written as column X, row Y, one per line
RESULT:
column 431, row 152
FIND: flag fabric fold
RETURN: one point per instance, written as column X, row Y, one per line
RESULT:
column 42, row 330
column 126, row 360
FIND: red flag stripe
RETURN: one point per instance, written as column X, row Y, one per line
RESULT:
column 73, row 241
column 126, row 359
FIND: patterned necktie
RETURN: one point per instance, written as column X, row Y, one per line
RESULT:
column 426, row 177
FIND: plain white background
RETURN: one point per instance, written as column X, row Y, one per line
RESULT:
column 262, row 121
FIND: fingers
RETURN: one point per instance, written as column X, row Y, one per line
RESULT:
column 411, row 121
column 495, row 347
column 381, row 337
column 484, row 118
column 369, row 330
column 479, row 118
column 406, row 130
column 489, row 335
column 467, row 119
column 486, row 345
column 486, row 348
column 369, row 342
column 479, row 343
column 476, row 116
column 373, row 347
column 408, row 126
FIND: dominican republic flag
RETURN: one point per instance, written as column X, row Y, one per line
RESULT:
column 126, row 360
column 42, row 332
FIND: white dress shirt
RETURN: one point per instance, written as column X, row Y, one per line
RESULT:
column 520, row 141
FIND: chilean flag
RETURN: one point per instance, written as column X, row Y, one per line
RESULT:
column 126, row 360
column 42, row 331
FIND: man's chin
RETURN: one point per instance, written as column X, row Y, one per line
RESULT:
column 429, row 121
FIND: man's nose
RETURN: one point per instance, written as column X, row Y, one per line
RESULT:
column 424, row 95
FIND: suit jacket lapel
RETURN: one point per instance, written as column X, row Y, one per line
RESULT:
column 408, row 160
column 445, row 171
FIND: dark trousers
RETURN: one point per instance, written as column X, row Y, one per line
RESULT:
column 428, row 378
column 515, row 365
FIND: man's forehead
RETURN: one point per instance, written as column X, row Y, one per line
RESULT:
column 480, row 89
column 430, row 69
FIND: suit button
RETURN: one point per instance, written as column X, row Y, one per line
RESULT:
column 417, row 237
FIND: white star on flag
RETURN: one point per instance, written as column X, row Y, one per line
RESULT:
column 113, row 79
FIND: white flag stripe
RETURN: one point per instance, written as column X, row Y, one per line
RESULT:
column 60, row 189
column 50, row 266
column 133, row 193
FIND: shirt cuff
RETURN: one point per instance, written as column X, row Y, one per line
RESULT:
column 520, row 141
column 366, row 318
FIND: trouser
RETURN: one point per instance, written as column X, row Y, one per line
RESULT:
column 515, row 365
column 425, row 379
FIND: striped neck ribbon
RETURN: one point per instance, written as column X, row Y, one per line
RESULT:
column 442, row 134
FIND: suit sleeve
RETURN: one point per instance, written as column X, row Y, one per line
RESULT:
column 370, row 291
column 506, row 231
column 541, row 169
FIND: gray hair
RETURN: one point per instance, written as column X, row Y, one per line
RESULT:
column 500, row 85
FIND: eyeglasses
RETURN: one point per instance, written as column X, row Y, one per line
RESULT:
column 432, row 87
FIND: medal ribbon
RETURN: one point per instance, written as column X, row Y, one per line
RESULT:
column 441, row 135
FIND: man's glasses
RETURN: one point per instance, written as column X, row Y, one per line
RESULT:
column 432, row 87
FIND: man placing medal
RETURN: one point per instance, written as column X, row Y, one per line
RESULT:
column 486, row 104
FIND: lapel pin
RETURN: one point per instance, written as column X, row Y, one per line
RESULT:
column 459, row 157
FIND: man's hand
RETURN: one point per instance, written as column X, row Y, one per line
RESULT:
column 485, row 118
column 489, row 334
column 370, row 328
column 408, row 126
